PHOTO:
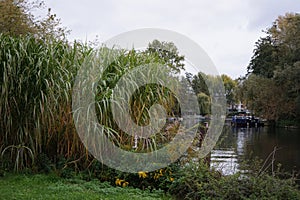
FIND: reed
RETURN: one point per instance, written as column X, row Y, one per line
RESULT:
column 140, row 101
column 36, row 80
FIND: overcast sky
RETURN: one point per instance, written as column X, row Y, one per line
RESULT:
column 226, row 29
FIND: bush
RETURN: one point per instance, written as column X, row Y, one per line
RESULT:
column 198, row 181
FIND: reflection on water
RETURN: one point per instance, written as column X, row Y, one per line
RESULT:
column 224, row 160
column 237, row 144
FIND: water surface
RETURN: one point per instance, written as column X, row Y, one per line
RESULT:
column 239, row 144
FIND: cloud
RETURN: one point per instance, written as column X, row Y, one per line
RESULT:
column 264, row 12
column 227, row 30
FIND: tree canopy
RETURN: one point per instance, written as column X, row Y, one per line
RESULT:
column 280, row 47
column 230, row 86
column 16, row 19
column 168, row 52
column 272, row 85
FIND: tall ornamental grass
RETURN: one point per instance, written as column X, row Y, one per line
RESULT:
column 140, row 101
column 36, row 79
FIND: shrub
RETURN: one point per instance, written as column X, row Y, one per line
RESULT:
column 198, row 181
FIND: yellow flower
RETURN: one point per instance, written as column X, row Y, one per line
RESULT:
column 161, row 171
column 142, row 174
column 119, row 181
column 125, row 184
column 158, row 175
column 171, row 179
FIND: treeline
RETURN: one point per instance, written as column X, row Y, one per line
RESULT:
column 271, row 88
column 205, row 85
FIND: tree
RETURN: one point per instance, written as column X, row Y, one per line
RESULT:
column 280, row 47
column 209, row 89
column 285, row 34
column 265, row 98
column 16, row 19
column 204, row 103
column 230, row 87
column 264, row 59
column 198, row 82
column 289, row 79
column 168, row 52
column 276, row 61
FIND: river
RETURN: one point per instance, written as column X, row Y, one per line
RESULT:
column 236, row 145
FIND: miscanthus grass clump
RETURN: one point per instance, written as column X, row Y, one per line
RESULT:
column 36, row 79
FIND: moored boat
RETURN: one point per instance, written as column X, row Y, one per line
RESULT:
column 246, row 121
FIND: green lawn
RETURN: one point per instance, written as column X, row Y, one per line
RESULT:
column 51, row 187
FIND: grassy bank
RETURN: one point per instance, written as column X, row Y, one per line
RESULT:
column 52, row 187
column 194, row 181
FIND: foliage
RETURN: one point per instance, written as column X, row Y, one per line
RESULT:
column 198, row 82
column 160, row 179
column 198, row 181
column 276, row 61
column 207, row 87
column 36, row 81
column 204, row 103
column 190, row 179
column 265, row 57
column 141, row 100
column 230, row 87
column 285, row 35
column 36, row 87
column 16, row 19
column 289, row 79
column 20, row 155
column 168, row 52
column 280, row 47
column 265, row 98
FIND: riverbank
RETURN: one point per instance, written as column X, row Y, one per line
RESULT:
column 40, row 186
column 193, row 181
